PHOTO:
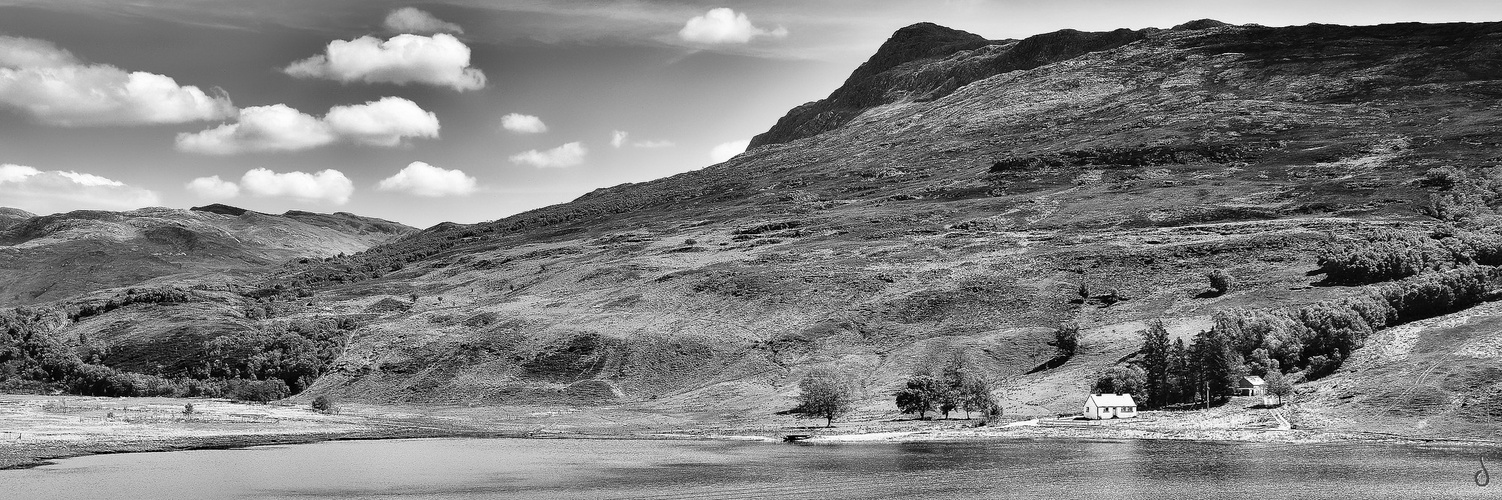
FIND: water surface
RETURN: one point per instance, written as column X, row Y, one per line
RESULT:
column 542, row 468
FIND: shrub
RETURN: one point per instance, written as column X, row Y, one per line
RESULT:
column 1220, row 281
column 325, row 404
column 1444, row 178
column 1066, row 338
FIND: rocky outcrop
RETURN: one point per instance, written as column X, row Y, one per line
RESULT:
column 926, row 61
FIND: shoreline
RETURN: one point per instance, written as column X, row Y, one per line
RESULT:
column 51, row 428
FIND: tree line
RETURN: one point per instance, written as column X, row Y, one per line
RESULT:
column 270, row 361
column 1312, row 339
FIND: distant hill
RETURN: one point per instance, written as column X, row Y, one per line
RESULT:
column 12, row 216
column 955, row 197
column 57, row 256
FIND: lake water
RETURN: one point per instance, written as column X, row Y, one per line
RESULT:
column 548, row 468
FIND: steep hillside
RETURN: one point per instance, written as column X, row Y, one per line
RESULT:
column 56, row 256
column 1070, row 177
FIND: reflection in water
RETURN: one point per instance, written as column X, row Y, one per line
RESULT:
column 516, row 468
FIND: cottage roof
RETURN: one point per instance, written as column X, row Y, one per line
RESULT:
column 1111, row 400
column 1252, row 380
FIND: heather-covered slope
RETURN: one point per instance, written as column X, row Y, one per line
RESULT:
column 56, row 256
column 968, row 221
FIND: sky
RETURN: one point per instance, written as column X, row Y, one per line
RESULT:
column 465, row 110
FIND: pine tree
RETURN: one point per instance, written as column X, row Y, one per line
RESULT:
column 1154, row 361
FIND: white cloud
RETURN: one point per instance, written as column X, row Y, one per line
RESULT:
column 566, row 155
column 411, row 20
column 261, row 128
column 523, row 124
column 16, row 173
column 728, row 150
column 18, row 52
column 324, row 186
column 277, row 127
column 618, row 139
column 382, row 123
column 422, row 179
column 213, row 188
column 55, row 87
column 652, row 144
column 724, row 25
column 52, row 191
column 439, row 60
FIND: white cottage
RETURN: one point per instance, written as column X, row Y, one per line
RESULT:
column 1251, row 385
column 1102, row 406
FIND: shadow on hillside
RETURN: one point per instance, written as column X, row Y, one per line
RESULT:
column 1056, row 362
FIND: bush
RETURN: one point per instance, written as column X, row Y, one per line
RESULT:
column 1444, row 178
column 259, row 391
column 1220, row 281
column 1066, row 338
column 325, row 404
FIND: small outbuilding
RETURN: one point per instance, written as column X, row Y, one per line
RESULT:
column 1251, row 386
column 1103, row 406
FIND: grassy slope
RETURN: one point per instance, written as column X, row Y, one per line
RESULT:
column 58, row 256
column 880, row 246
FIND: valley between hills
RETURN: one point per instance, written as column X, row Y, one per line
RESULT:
column 956, row 198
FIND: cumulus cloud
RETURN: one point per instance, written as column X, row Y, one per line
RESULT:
column 438, row 60
column 51, row 191
column 618, row 139
column 329, row 186
column 261, row 128
column 411, row 20
column 49, row 83
column 386, row 122
column 566, row 155
column 728, row 150
column 382, row 123
column 723, row 25
column 523, row 124
column 422, row 179
column 213, row 188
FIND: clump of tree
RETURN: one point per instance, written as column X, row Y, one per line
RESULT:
column 1382, row 256
column 958, row 387
column 826, row 394
column 1066, row 339
column 297, row 353
column 1221, row 281
column 293, row 354
column 256, row 391
column 1313, row 339
column 919, row 395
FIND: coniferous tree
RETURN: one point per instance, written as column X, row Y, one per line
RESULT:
column 1154, row 361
